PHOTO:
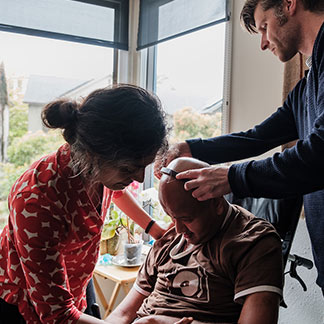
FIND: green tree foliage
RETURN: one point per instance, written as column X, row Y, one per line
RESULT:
column 3, row 86
column 18, row 120
column 24, row 150
column 189, row 124
column 9, row 173
column 3, row 107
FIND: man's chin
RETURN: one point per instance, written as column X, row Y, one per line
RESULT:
column 284, row 57
column 190, row 238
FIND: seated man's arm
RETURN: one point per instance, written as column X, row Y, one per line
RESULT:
column 125, row 312
column 261, row 307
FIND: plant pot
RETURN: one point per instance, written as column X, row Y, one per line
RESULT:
column 110, row 246
column 133, row 252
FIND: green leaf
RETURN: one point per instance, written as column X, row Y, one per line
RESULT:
column 108, row 233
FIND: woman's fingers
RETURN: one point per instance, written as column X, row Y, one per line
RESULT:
column 175, row 151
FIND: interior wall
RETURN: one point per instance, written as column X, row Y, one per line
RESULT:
column 256, row 78
column 256, row 92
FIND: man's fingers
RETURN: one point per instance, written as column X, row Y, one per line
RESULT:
column 201, row 191
column 158, row 164
column 189, row 174
column 191, row 184
column 205, row 197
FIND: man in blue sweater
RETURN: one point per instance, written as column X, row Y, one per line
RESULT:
column 286, row 28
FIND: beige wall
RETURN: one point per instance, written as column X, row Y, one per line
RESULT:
column 256, row 78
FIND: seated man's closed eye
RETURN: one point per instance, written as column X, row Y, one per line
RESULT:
column 218, row 264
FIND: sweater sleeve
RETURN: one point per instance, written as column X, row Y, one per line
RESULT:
column 278, row 129
column 39, row 231
column 298, row 170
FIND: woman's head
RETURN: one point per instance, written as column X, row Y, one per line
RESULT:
column 113, row 129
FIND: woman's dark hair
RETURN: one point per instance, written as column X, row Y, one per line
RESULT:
column 115, row 125
column 247, row 13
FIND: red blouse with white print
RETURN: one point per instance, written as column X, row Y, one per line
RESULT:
column 50, row 246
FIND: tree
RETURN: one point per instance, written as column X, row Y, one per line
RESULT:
column 18, row 122
column 4, row 114
column 189, row 124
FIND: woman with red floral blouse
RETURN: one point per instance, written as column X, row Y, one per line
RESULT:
column 57, row 207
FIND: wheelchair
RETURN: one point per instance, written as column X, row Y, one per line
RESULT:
column 284, row 215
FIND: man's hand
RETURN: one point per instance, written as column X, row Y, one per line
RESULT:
column 176, row 150
column 211, row 182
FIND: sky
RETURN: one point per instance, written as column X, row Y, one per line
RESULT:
column 25, row 55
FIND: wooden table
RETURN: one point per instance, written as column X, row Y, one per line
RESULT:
column 123, row 277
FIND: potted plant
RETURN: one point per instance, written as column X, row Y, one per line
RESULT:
column 117, row 224
column 110, row 241
column 133, row 244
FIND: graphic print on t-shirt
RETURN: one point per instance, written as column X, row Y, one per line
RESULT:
column 189, row 284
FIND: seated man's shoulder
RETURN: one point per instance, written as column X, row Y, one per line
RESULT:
column 243, row 231
column 247, row 245
column 244, row 224
column 168, row 237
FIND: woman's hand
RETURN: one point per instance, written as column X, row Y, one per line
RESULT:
column 175, row 151
column 206, row 183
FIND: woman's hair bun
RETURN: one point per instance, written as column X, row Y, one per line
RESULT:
column 60, row 113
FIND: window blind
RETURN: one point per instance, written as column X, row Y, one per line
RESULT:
column 97, row 22
column 161, row 20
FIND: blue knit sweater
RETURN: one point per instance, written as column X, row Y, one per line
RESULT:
column 298, row 170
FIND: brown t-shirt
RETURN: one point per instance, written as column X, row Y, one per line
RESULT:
column 210, row 281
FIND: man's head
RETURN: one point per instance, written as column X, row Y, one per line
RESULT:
column 278, row 23
column 197, row 221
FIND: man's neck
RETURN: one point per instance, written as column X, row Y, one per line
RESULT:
column 310, row 26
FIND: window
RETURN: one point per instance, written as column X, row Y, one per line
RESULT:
column 188, row 54
column 74, row 55
column 190, row 82
column 190, row 76
column 38, row 70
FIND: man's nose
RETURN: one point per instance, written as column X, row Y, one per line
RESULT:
column 264, row 42
column 139, row 175
column 180, row 228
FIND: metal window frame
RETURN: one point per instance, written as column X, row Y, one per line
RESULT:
column 121, row 13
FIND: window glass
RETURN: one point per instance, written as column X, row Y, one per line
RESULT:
column 190, row 81
column 34, row 71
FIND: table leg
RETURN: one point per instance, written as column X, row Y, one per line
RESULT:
column 126, row 287
column 112, row 299
column 100, row 293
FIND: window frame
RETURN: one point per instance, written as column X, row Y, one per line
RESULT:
column 121, row 14
column 148, row 81
column 139, row 67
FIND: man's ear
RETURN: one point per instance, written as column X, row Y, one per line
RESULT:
column 289, row 6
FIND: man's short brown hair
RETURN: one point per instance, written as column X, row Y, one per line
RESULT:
column 247, row 13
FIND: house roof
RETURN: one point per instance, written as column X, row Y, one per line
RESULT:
column 42, row 89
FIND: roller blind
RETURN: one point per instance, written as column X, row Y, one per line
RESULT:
column 97, row 22
column 161, row 20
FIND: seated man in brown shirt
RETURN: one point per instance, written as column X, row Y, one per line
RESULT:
column 219, row 264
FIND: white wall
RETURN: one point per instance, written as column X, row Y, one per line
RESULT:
column 256, row 92
column 256, row 78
